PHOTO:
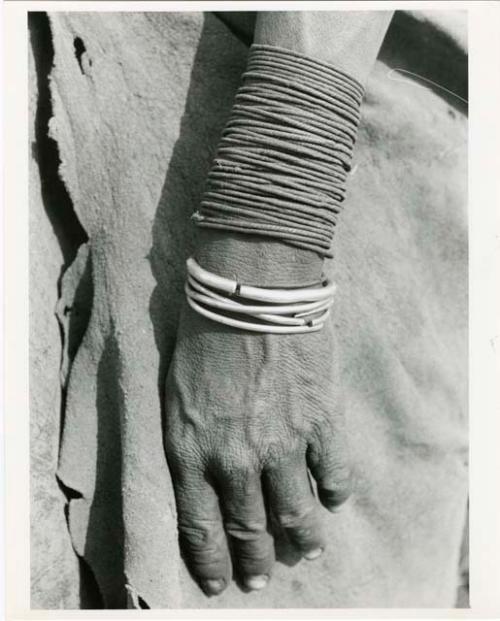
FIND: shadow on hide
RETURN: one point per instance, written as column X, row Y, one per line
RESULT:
column 105, row 531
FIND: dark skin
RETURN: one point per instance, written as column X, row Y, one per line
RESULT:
column 250, row 415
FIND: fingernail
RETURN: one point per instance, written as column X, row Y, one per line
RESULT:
column 212, row 587
column 313, row 554
column 256, row 583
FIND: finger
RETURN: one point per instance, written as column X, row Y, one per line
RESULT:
column 201, row 532
column 245, row 523
column 294, row 505
column 329, row 464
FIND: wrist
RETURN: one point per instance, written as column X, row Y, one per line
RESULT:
column 255, row 260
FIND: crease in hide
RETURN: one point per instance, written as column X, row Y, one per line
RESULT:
column 134, row 600
column 74, row 285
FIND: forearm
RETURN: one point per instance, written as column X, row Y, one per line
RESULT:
column 346, row 40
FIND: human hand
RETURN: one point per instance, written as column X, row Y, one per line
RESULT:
column 247, row 416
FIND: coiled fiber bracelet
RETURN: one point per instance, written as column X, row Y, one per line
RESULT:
column 283, row 159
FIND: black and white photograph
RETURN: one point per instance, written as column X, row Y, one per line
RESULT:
column 248, row 307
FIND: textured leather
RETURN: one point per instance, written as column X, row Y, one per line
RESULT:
column 137, row 116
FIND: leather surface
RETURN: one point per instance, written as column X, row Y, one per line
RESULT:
column 139, row 101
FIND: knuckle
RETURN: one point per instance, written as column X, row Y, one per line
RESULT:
column 246, row 530
column 303, row 533
column 237, row 480
column 254, row 556
column 199, row 537
column 254, row 560
column 325, row 427
column 184, row 454
column 181, row 466
column 236, row 466
column 296, row 519
column 285, row 452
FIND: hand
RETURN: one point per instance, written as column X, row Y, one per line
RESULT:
column 247, row 415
